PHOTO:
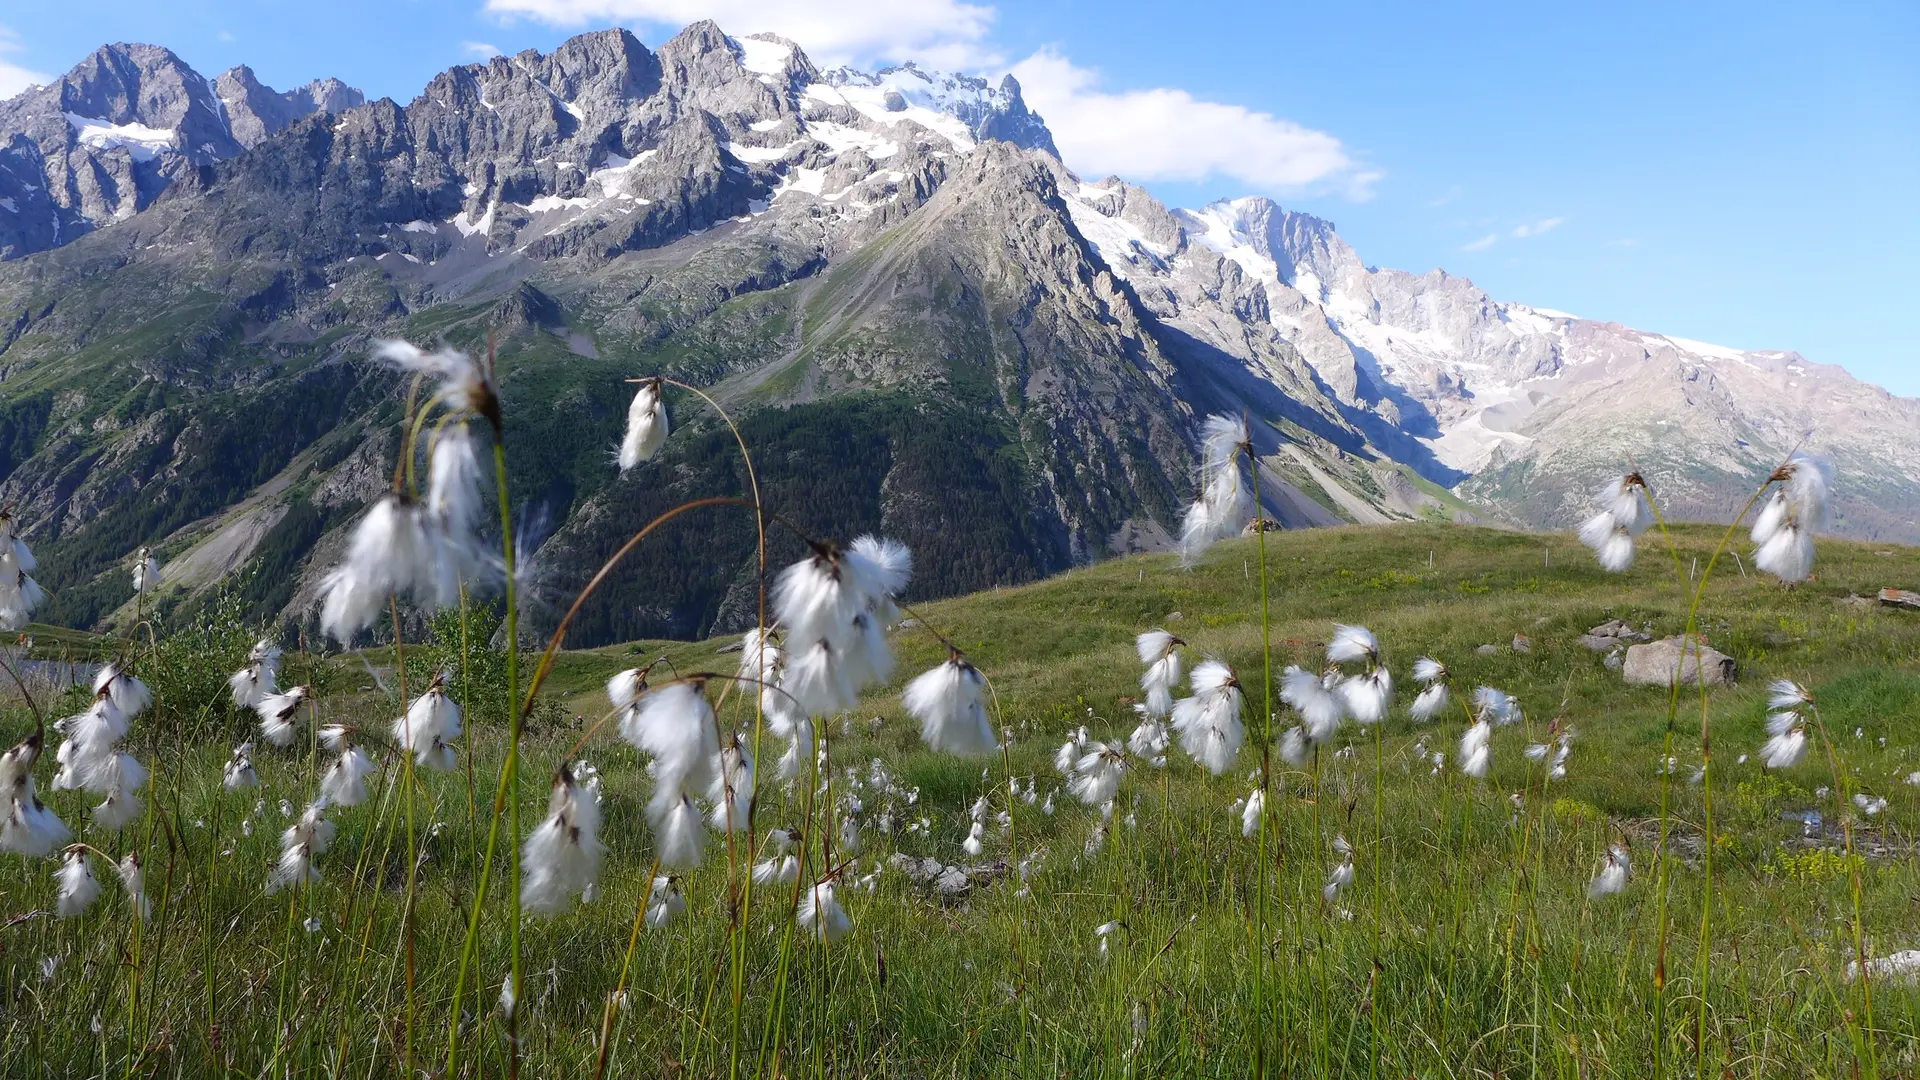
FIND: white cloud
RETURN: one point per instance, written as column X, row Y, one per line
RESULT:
column 1481, row 244
column 481, row 50
column 13, row 77
column 946, row 33
column 224, row 35
column 1536, row 228
column 1168, row 134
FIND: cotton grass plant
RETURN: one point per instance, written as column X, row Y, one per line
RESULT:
column 1140, row 877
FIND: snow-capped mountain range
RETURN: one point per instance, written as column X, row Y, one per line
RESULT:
column 832, row 244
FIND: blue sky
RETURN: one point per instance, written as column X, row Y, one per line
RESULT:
column 1747, row 174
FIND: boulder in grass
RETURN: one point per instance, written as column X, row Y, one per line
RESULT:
column 1662, row 663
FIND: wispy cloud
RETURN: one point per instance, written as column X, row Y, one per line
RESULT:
column 15, row 77
column 1537, row 228
column 1164, row 133
column 1445, row 197
column 1624, row 242
column 481, row 50
column 1481, row 244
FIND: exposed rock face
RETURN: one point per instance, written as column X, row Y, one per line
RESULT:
column 99, row 144
column 1533, row 408
column 255, row 110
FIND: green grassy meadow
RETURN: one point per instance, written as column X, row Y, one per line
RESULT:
column 1466, row 946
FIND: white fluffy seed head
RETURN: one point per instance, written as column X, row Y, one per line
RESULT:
column 1320, row 709
column 462, row 381
column 128, row 694
column 1225, row 504
column 1250, row 813
column 885, row 565
column 821, row 914
column 1476, row 752
column 1154, row 644
column 78, row 887
column 430, row 727
column 1624, row 499
column 561, row 857
column 345, row 781
column 647, row 425
column 1787, row 554
column 134, row 880
column 1786, row 749
column 1353, row 645
column 675, row 725
column 1367, row 697
column 1208, row 722
column 681, row 836
column 1808, row 486
column 1787, row 694
column 1495, row 706
column 666, row 903
column 1097, row 774
column 1430, row 703
column 949, row 703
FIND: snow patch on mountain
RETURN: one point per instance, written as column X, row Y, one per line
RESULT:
column 141, row 142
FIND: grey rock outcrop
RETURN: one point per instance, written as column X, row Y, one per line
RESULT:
column 1661, row 663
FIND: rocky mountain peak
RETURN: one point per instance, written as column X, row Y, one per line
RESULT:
column 255, row 110
column 100, row 144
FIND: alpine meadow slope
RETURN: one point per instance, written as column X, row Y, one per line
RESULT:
column 930, row 326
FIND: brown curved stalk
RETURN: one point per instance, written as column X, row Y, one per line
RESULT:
column 560, row 632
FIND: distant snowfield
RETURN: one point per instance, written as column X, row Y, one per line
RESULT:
column 138, row 140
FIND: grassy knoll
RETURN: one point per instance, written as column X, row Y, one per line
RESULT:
column 1466, row 946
